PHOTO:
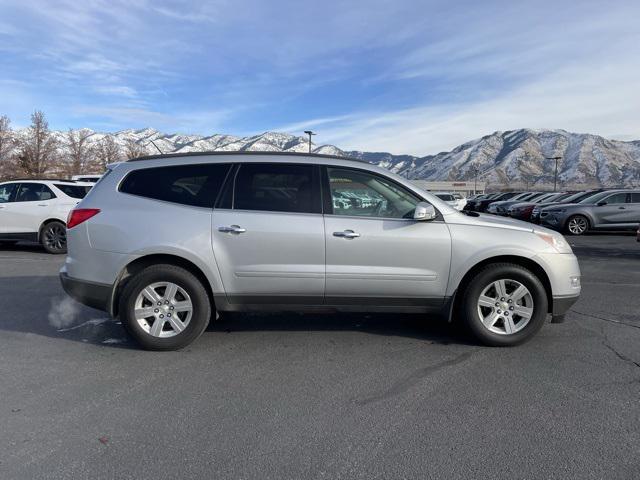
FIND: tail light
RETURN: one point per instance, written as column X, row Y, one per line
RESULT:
column 79, row 215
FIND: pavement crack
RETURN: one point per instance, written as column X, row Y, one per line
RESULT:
column 406, row 383
column 610, row 320
column 621, row 356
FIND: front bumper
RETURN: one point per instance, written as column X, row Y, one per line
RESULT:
column 561, row 306
column 94, row 295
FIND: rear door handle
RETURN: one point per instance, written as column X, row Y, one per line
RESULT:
column 346, row 234
column 232, row 229
column 621, row 208
column 43, row 204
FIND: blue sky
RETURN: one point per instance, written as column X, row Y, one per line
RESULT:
column 401, row 76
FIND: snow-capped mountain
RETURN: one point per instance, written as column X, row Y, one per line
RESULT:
column 515, row 158
column 521, row 157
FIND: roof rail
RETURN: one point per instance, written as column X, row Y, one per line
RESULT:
column 217, row 152
column 40, row 180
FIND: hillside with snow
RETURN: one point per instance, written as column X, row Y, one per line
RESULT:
column 516, row 158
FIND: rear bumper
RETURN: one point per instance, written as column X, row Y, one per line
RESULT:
column 94, row 295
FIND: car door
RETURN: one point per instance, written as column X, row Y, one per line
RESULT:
column 612, row 210
column 377, row 254
column 268, row 235
column 7, row 195
column 32, row 205
column 633, row 209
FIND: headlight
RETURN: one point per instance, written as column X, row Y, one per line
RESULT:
column 557, row 241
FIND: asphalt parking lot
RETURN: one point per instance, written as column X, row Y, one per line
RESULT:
column 320, row 396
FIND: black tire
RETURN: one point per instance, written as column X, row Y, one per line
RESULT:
column 573, row 221
column 201, row 312
column 485, row 277
column 53, row 237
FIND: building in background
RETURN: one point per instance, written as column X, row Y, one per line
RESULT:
column 464, row 188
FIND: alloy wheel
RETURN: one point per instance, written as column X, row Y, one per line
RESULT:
column 55, row 237
column 163, row 309
column 577, row 225
column 505, row 306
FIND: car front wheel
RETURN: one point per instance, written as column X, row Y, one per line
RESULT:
column 164, row 307
column 504, row 304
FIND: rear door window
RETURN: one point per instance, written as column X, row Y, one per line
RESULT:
column 635, row 197
column 277, row 187
column 195, row 185
column 34, row 192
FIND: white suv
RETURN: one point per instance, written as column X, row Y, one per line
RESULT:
column 37, row 210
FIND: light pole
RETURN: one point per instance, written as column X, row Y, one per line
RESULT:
column 309, row 132
column 475, row 179
column 555, row 175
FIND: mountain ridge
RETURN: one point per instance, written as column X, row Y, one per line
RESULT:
column 517, row 158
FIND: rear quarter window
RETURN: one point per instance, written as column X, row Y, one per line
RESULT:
column 194, row 185
column 73, row 191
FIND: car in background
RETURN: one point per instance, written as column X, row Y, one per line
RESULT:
column 453, row 199
column 37, row 210
column 638, row 234
column 572, row 198
column 522, row 210
column 608, row 210
column 481, row 205
column 502, row 207
column 87, row 178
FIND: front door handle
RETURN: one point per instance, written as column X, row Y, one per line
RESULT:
column 43, row 204
column 346, row 234
column 621, row 208
column 232, row 229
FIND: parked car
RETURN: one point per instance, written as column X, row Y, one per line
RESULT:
column 502, row 207
column 262, row 233
column 608, row 210
column 638, row 234
column 36, row 210
column 481, row 205
column 522, row 210
column 454, row 200
column 86, row 178
column 572, row 198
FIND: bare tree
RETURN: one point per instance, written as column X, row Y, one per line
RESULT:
column 132, row 149
column 80, row 152
column 107, row 151
column 38, row 150
column 7, row 145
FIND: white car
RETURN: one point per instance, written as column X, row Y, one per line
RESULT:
column 36, row 210
column 455, row 200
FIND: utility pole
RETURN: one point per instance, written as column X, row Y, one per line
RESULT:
column 555, row 175
column 475, row 179
column 309, row 132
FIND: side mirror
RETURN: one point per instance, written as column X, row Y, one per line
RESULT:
column 600, row 204
column 424, row 211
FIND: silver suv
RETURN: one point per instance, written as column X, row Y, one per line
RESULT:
column 166, row 242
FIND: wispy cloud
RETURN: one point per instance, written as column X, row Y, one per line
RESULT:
column 413, row 76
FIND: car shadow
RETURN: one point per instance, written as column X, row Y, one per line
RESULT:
column 52, row 313
column 22, row 247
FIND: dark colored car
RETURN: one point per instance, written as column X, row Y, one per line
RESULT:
column 473, row 201
column 571, row 198
column 481, row 205
column 522, row 210
column 502, row 207
column 608, row 210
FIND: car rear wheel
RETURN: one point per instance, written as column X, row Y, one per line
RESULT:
column 577, row 225
column 164, row 307
column 504, row 304
column 53, row 237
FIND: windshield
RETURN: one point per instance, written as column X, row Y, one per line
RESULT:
column 595, row 198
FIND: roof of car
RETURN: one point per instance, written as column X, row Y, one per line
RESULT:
column 207, row 153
